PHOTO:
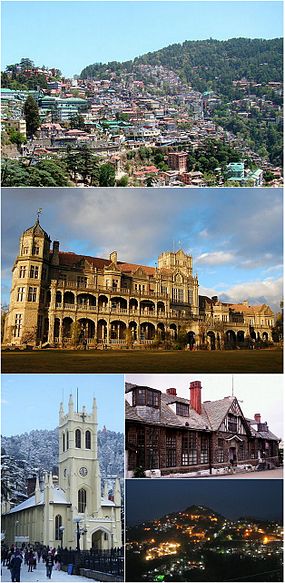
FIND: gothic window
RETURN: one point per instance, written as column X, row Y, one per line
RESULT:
column 63, row 442
column 18, row 325
column 57, row 524
column 204, row 449
column 189, row 449
column 77, row 438
column 22, row 271
column 67, row 440
column 81, row 500
column 32, row 294
column 34, row 272
column 88, row 440
column 35, row 250
column 170, row 450
column 20, row 294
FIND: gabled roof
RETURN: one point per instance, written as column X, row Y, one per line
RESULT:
column 57, row 497
column 215, row 411
column 211, row 418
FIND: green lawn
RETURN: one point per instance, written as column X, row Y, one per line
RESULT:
column 123, row 361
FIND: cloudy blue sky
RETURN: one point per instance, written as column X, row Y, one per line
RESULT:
column 72, row 35
column 42, row 412
column 234, row 235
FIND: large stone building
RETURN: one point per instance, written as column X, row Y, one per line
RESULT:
column 59, row 298
column 50, row 516
column 168, row 434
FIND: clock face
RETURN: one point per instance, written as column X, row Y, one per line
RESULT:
column 83, row 471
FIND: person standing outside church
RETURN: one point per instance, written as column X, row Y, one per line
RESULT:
column 49, row 564
column 15, row 566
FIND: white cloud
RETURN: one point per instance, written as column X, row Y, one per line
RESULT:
column 215, row 258
column 268, row 291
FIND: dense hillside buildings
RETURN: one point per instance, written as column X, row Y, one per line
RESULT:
column 50, row 516
column 64, row 299
column 168, row 434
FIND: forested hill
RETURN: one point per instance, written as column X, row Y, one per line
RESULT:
column 209, row 64
column 25, row 455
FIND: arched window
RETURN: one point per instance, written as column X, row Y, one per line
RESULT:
column 67, row 440
column 77, row 438
column 63, row 442
column 57, row 524
column 88, row 440
column 81, row 500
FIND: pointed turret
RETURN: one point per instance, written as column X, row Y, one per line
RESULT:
column 37, row 491
column 105, row 492
column 117, row 493
column 61, row 412
column 70, row 405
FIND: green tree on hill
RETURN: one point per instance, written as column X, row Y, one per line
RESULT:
column 31, row 113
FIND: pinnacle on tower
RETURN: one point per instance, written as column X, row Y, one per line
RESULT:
column 70, row 404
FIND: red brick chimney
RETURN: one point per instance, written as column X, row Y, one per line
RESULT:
column 171, row 391
column 257, row 417
column 195, row 396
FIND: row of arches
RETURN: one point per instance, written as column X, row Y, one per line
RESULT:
column 114, row 331
column 81, row 438
column 231, row 339
column 69, row 299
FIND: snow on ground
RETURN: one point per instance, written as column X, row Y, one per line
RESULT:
column 40, row 575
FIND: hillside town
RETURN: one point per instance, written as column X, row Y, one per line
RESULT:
column 145, row 127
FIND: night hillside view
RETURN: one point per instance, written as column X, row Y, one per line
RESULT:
column 187, row 536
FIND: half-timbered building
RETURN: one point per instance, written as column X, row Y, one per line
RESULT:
column 168, row 434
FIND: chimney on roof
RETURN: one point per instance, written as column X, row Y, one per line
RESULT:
column 195, row 396
column 55, row 251
column 257, row 417
column 171, row 391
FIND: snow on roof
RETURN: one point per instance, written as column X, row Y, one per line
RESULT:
column 107, row 502
column 57, row 497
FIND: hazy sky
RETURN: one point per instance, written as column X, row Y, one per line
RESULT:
column 256, row 393
column 231, row 498
column 234, row 235
column 31, row 401
column 70, row 35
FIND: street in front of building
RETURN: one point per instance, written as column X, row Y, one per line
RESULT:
column 40, row 575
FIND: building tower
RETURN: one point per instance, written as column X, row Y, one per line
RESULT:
column 79, row 474
column 80, row 480
column 26, row 319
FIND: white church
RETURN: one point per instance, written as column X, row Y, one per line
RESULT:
column 59, row 510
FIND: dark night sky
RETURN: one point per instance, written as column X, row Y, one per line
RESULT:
column 148, row 499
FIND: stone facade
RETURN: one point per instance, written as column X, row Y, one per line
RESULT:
column 50, row 516
column 63, row 299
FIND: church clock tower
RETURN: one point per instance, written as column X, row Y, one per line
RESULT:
column 79, row 474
